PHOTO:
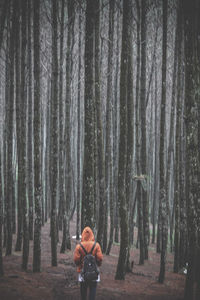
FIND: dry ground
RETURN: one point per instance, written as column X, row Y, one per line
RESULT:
column 59, row 283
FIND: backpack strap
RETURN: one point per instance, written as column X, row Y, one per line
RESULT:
column 83, row 249
column 93, row 248
column 90, row 250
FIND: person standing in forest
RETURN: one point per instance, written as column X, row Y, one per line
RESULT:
column 88, row 247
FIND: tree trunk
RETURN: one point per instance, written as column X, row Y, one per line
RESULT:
column 9, row 135
column 130, row 141
column 155, row 198
column 109, row 105
column 116, row 133
column 30, row 125
column 18, row 130
column 122, row 260
column 88, row 164
column 143, row 126
column 37, row 140
column 61, row 122
column 79, row 160
column 3, row 17
column 177, row 186
column 138, row 144
column 191, row 12
column 1, row 222
column 164, row 213
column 54, row 135
column 22, row 168
column 100, row 142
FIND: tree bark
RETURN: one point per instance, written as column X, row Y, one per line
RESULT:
column 1, row 222
column 79, row 139
column 164, row 213
column 30, row 124
column 18, row 130
column 4, row 15
column 121, row 266
column 109, row 113
column 88, row 164
column 191, row 12
column 9, row 135
column 61, row 122
column 37, row 140
column 143, row 126
column 22, row 168
column 54, row 135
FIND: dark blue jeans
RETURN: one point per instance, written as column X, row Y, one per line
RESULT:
column 92, row 290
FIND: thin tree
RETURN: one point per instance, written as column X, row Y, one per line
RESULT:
column 61, row 120
column 79, row 158
column 37, row 140
column 66, row 243
column 9, row 134
column 100, row 141
column 143, row 126
column 30, row 121
column 122, row 260
column 130, row 142
column 116, row 129
column 109, row 114
column 18, row 128
column 155, row 160
column 111, row 32
column 54, row 135
column 138, row 141
column 23, row 136
column 164, row 216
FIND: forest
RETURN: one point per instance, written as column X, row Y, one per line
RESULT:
column 100, row 127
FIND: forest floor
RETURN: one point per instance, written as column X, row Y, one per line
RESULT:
column 59, row 283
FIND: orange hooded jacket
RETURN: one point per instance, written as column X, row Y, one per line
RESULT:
column 87, row 241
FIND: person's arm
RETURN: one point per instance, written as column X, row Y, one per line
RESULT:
column 99, row 255
column 77, row 255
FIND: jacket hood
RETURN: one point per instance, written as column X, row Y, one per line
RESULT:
column 87, row 234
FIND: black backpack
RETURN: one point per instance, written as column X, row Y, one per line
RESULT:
column 90, row 271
